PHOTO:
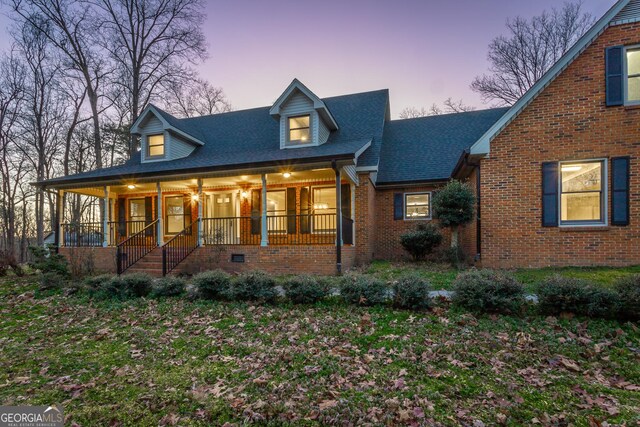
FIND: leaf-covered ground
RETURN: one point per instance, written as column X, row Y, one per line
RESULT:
column 174, row 362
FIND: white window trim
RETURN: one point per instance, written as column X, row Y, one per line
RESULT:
column 297, row 143
column 404, row 205
column 604, row 198
column 286, row 224
column 146, row 147
column 313, row 231
column 165, row 213
column 625, row 76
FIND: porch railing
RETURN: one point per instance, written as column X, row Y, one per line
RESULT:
column 176, row 249
column 308, row 229
column 132, row 249
column 83, row 234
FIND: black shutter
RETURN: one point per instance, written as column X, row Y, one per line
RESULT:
column 148, row 214
column 256, row 196
column 122, row 217
column 620, row 190
column 550, row 194
column 291, row 211
column 614, row 75
column 398, row 206
column 305, row 211
column 345, row 192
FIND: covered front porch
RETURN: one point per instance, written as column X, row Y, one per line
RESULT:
column 171, row 217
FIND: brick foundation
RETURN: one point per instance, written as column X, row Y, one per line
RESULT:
column 102, row 259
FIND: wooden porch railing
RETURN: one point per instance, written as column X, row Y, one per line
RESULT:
column 137, row 246
column 176, row 249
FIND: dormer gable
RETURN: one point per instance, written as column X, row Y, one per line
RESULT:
column 305, row 120
column 162, row 136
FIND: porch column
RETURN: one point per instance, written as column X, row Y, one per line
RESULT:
column 59, row 237
column 338, row 218
column 264, row 241
column 105, row 218
column 200, row 201
column 159, row 209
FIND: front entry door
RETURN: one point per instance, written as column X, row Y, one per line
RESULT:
column 177, row 215
column 224, row 228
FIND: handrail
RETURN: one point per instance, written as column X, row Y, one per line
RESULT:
column 176, row 249
column 132, row 249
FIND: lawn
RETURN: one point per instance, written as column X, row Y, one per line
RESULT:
column 174, row 362
column 442, row 275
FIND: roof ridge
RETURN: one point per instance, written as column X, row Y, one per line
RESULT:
column 460, row 113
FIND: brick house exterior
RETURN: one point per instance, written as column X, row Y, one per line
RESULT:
column 555, row 176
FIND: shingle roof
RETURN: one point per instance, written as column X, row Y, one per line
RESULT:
column 428, row 148
column 250, row 137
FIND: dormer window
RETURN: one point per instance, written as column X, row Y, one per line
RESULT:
column 299, row 129
column 155, row 145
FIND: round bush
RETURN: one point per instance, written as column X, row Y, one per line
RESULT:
column 364, row 290
column 121, row 287
column 254, row 286
column 169, row 286
column 412, row 292
column 628, row 289
column 488, row 291
column 212, row 285
column 305, row 289
column 421, row 241
column 560, row 294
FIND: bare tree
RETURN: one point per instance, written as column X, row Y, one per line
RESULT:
column 196, row 98
column 152, row 42
column 520, row 59
column 449, row 106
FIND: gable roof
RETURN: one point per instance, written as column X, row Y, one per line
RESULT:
column 251, row 138
column 482, row 145
column 428, row 148
column 169, row 122
column 318, row 104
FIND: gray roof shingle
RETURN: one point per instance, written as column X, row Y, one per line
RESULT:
column 428, row 148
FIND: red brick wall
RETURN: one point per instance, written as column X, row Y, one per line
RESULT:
column 388, row 230
column 567, row 121
column 365, row 213
column 102, row 259
column 468, row 233
column 292, row 259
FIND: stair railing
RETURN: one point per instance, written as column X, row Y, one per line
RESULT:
column 176, row 249
column 137, row 246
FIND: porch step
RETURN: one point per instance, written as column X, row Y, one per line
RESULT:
column 150, row 264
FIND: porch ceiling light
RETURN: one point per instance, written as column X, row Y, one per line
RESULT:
column 131, row 186
column 286, row 174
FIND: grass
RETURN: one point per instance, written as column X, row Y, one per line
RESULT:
column 442, row 275
column 175, row 362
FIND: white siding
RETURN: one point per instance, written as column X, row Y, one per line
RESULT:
column 630, row 13
column 299, row 104
column 179, row 148
column 323, row 132
column 175, row 147
column 152, row 125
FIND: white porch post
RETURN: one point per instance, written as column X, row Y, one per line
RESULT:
column 105, row 218
column 60, row 218
column 159, row 209
column 200, row 201
column 264, row 241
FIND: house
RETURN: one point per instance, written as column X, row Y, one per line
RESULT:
column 323, row 184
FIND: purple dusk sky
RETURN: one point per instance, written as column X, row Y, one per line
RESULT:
column 423, row 51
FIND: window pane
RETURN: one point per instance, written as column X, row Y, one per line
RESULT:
column 298, row 122
column 136, row 210
column 633, row 62
column 633, row 89
column 301, row 135
column 175, row 224
column 276, row 203
column 417, row 206
column 324, row 200
column 581, row 177
column 174, row 214
column 175, row 205
column 156, row 145
column 581, row 207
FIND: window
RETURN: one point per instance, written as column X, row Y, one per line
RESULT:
column 632, row 75
column 299, row 129
column 137, row 210
column 417, row 206
column 156, row 145
column 581, row 192
column 175, row 215
column 277, row 211
column 324, row 209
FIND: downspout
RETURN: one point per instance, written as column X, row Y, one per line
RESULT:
column 335, row 168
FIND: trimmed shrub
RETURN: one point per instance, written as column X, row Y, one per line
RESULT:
column 120, row 287
column 169, row 286
column 51, row 281
column 212, row 285
column 364, row 290
column 254, row 286
column 488, row 291
column 412, row 292
column 421, row 241
column 560, row 294
column 95, row 282
column 628, row 289
column 305, row 289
